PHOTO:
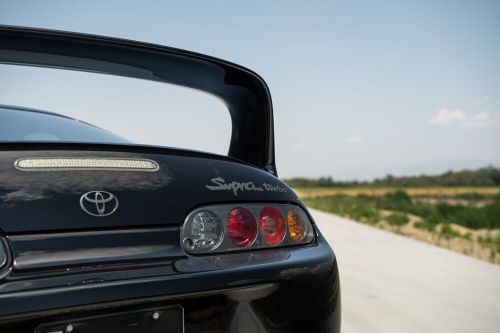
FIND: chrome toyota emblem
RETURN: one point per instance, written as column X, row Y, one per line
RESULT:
column 99, row 203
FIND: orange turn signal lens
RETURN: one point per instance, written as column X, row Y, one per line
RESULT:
column 249, row 226
column 296, row 224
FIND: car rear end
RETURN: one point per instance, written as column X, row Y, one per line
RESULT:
column 116, row 237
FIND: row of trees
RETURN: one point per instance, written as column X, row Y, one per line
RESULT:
column 488, row 176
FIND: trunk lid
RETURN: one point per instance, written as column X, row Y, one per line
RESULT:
column 44, row 201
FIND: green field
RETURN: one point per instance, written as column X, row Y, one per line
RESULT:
column 465, row 221
column 473, row 211
column 430, row 191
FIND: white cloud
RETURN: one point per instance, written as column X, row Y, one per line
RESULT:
column 446, row 116
column 482, row 120
column 354, row 139
column 479, row 120
column 481, row 116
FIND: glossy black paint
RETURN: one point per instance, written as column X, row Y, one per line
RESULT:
column 49, row 201
column 68, row 281
column 156, row 320
column 244, row 92
column 65, row 265
column 287, row 290
column 63, row 250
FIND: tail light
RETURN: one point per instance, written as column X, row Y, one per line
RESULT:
column 297, row 224
column 206, row 232
column 272, row 226
column 226, row 228
column 241, row 227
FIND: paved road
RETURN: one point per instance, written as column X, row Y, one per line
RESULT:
column 392, row 283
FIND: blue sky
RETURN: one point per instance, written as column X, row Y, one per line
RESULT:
column 360, row 88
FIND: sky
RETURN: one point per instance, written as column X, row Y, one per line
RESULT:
column 360, row 89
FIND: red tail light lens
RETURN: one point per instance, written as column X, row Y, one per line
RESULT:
column 247, row 226
column 241, row 227
column 272, row 226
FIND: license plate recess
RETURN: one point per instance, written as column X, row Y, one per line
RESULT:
column 157, row 320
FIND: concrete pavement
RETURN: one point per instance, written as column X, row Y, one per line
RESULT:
column 391, row 283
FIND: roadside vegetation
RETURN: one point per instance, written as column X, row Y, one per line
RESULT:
column 483, row 177
column 462, row 218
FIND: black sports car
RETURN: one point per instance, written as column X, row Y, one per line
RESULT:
column 101, row 235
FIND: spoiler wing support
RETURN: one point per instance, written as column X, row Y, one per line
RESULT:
column 245, row 93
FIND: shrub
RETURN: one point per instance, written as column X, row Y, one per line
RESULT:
column 360, row 208
column 398, row 201
column 424, row 224
column 397, row 219
column 448, row 232
column 367, row 209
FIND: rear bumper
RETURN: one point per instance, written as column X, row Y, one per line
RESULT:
column 286, row 290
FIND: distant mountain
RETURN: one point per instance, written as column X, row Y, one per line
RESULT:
column 487, row 176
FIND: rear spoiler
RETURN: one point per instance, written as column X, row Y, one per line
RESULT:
column 245, row 93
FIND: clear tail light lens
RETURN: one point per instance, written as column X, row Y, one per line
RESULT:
column 205, row 232
column 246, row 227
column 241, row 227
column 272, row 226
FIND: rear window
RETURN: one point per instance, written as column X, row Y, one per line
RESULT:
column 18, row 125
column 97, row 108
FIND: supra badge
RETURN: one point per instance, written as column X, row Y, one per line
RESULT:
column 99, row 203
column 234, row 186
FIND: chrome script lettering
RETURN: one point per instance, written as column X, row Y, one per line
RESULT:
column 234, row 186
column 221, row 185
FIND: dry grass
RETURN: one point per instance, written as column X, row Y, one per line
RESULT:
column 467, row 243
column 479, row 243
column 311, row 192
